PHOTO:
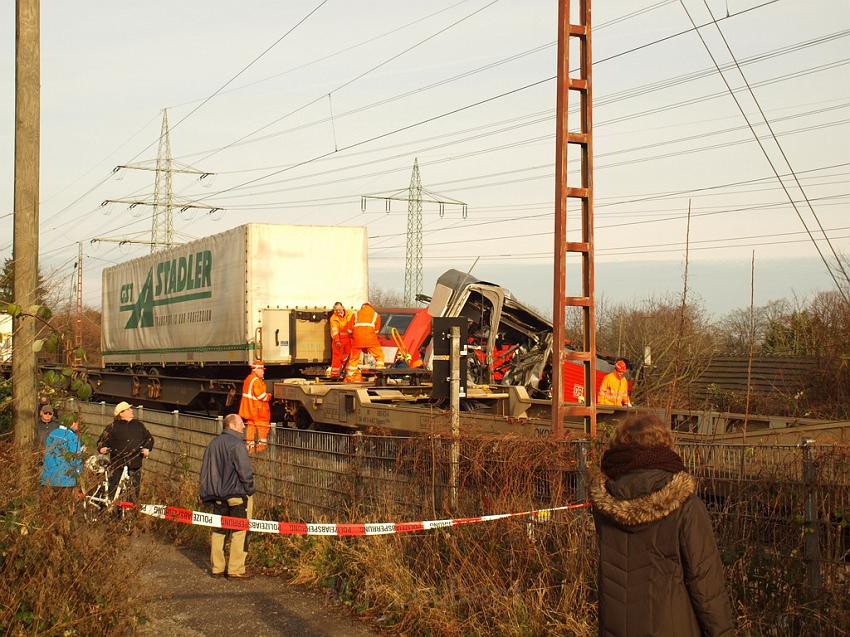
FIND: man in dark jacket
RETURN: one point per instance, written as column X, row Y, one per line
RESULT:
column 659, row 568
column 128, row 442
column 227, row 484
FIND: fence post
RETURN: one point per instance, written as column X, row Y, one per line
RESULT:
column 581, row 470
column 811, row 529
column 357, row 454
column 140, row 411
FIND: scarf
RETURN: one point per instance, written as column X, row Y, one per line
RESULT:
column 618, row 461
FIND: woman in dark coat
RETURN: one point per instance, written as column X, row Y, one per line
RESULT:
column 659, row 569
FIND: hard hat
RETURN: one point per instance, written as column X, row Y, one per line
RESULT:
column 258, row 363
column 620, row 366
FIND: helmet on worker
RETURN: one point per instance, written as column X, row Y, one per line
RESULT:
column 621, row 366
column 258, row 365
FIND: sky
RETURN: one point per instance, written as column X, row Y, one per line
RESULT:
column 299, row 108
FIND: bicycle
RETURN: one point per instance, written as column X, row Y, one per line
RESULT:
column 96, row 501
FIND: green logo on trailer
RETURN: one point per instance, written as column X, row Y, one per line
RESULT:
column 172, row 277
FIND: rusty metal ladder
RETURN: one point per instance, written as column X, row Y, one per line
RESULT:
column 580, row 88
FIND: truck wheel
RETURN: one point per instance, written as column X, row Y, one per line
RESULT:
column 303, row 419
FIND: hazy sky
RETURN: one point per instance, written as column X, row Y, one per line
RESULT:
column 666, row 130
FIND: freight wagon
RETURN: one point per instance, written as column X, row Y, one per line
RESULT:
column 181, row 326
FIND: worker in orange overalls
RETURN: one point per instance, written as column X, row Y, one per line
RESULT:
column 615, row 388
column 365, row 324
column 255, row 410
column 340, row 338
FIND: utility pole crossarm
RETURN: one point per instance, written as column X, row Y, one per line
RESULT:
column 141, row 202
column 184, row 171
column 121, row 241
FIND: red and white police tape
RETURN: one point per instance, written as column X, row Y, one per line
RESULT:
column 199, row 518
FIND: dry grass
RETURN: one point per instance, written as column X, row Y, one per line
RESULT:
column 58, row 574
column 512, row 577
column 524, row 577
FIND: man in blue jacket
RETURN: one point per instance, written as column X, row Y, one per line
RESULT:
column 62, row 461
column 227, row 484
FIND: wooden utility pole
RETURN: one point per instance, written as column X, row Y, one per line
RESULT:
column 25, row 240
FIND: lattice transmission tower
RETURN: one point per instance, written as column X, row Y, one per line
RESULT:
column 163, row 201
column 415, row 197
column 162, row 222
column 413, row 251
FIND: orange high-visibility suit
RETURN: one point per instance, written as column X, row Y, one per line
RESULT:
column 340, row 340
column 255, row 411
column 614, row 391
column 365, row 324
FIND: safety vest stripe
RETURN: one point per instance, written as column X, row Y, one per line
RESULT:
column 250, row 394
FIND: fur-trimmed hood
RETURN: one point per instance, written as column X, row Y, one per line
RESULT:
column 646, row 508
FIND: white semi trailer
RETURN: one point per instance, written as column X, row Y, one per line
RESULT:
column 205, row 309
column 210, row 301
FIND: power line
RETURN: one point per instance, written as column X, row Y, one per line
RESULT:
column 339, row 51
column 548, row 255
column 778, row 145
column 655, row 110
column 463, row 75
column 767, row 206
column 241, row 71
column 764, row 151
column 548, row 165
column 619, row 54
column 354, row 79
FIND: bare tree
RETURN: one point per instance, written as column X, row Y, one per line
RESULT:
column 382, row 297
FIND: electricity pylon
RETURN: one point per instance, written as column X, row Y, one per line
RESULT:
column 162, row 220
column 413, row 252
column 416, row 195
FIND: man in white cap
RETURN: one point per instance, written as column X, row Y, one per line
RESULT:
column 128, row 442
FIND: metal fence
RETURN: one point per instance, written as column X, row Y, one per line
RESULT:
column 781, row 509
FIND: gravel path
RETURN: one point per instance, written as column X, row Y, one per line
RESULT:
column 187, row 602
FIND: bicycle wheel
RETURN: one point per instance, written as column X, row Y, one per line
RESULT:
column 95, row 503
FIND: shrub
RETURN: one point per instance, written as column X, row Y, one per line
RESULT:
column 58, row 574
